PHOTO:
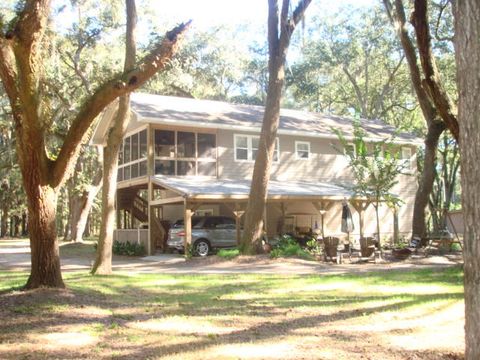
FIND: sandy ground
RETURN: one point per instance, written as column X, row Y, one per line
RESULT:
column 15, row 255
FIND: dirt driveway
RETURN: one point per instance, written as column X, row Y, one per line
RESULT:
column 15, row 255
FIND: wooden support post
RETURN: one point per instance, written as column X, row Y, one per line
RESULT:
column 187, row 221
column 322, row 207
column 282, row 209
column 396, row 231
column 360, row 206
column 150, row 237
column 238, row 212
column 238, row 215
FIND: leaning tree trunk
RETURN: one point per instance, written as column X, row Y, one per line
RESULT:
column 467, row 54
column 83, row 206
column 103, row 261
column 427, row 179
column 278, row 42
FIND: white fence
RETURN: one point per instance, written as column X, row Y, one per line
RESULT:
column 136, row 236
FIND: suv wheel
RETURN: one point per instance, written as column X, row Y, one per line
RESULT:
column 201, row 247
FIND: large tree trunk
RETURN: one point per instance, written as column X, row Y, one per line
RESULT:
column 4, row 225
column 425, row 185
column 278, row 43
column 22, row 50
column 45, row 270
column 467, row 54
column 103, row 261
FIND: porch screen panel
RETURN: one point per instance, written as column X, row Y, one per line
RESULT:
column 185, row 167
column 164, row 167
column 185, row 145
column 206, row 146
column 126, row 150
column 164, row 143
column 134, row 147
column 126, row 173
column 142, row 170
column 134, row 170
column 142, row 137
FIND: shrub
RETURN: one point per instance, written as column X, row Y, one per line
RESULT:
column 287, row 246
column 127, row 248
column 455, row 247
column 228, row 253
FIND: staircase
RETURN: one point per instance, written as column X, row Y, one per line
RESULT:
column 134, row 204
column 138, row 208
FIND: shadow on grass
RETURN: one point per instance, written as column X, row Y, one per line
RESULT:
column 124, row 298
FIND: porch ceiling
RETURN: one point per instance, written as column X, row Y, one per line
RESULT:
column 217, row 189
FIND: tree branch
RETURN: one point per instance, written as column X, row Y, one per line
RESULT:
column 109, row 91
column 432, row 82
column 398, row 18
column 8, row 72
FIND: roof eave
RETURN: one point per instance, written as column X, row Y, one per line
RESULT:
column 257, row 129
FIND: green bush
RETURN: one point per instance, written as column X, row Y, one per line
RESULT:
column 455, row 247
column 127, row 248
column 287, row 246
column 228, row 253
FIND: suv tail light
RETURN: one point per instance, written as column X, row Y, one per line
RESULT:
column 181, row 233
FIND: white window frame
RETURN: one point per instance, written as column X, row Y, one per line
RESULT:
column 137, row 161
column 406, row 159
column 249, row 147
column 297, row 157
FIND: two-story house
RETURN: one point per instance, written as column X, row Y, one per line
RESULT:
column 184, row 156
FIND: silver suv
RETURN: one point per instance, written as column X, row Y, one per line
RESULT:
column 208, row 232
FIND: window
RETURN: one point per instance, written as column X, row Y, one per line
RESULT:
column 185, row 145
column 206, row 146
column 164, row 143
column 132, row 159
column 246, row 148
column 185, row 153
column 126, row 150
column 406, row 157
column 302, row 150
column 134, row 147
column 165, row 167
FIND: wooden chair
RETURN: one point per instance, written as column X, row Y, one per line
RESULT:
column 330, row 245
column 367, row 246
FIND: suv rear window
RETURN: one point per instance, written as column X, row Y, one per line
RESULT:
column 179, row 223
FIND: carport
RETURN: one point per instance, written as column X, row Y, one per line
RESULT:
column 233, row 194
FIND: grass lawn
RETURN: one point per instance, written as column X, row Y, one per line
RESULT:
column 390, row 315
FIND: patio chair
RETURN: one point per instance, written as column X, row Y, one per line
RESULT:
column 330, row 245
column 367, row 246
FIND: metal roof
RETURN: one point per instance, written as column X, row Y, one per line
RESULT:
column 216, row 114
column 226, row 188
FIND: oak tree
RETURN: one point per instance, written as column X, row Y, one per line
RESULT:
column 280, row 30
column 23, row 48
